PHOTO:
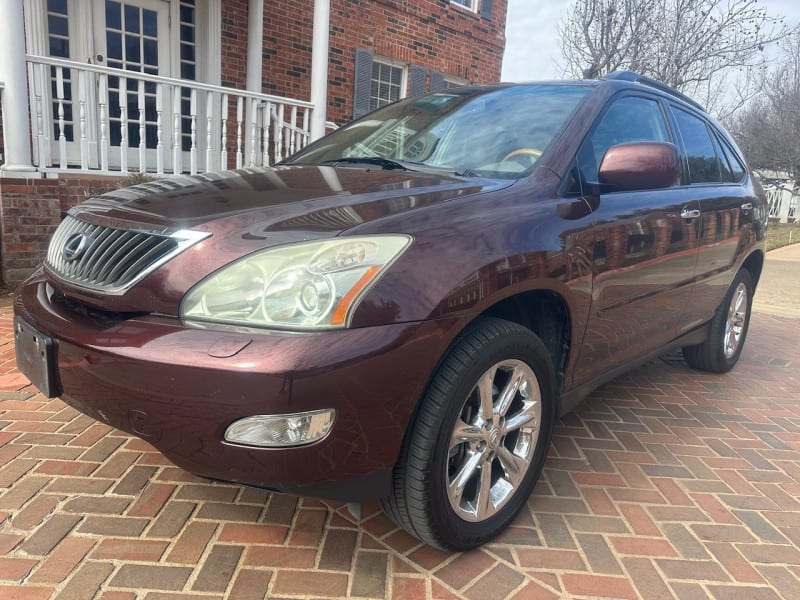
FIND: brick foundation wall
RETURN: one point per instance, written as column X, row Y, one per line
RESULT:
column 31, row 209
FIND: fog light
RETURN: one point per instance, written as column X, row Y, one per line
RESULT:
column 273, row 431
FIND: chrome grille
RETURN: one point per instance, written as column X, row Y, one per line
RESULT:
column 109, row 259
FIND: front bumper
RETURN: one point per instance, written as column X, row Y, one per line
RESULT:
column 179, row 388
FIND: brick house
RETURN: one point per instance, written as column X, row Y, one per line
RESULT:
column 93, row 91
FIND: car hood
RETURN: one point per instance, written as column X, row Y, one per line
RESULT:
column 251, row 209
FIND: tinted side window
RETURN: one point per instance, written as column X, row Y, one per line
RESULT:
column 700, row 153
column 735, row 172
column 629, row 119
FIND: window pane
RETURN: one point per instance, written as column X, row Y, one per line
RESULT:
column 150, row 52
column 703, row 163
column 395, row 75
column 59, row 6
column 132, row 49
column 187, row 14
column 187, row 33
column 114, row 47
column 132, row 19
column 187, row 52
column 737, row 169
column 188, row 71
column 150, row 23
column 59, row 47
column 57, row 25
column 113, row 18
column 630, row 119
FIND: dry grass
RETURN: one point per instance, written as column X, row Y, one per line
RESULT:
column 782, row 234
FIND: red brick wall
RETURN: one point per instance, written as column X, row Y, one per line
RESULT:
column 434, row 34
column 31, row 209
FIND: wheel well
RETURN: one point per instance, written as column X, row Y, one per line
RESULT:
column 754, row 263
column 546, row 314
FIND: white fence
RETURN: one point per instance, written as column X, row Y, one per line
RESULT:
column 90, row 118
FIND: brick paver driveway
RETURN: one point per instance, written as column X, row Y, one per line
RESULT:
column 665, row 483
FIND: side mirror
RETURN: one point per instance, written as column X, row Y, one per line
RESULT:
column 640, row 166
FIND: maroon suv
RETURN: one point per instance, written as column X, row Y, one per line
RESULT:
column 403, row 309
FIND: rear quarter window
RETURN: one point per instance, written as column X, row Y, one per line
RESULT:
column 704, row 164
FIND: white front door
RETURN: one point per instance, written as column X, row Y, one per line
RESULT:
column 133, row 35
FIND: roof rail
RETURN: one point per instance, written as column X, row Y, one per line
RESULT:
column 636, row 78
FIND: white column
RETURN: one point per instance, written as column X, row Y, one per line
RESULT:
column 255, row 51
column 255, row 44
column 15, row 87
column 319, row 68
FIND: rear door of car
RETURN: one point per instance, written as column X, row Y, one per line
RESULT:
column 715, row 180
column 645, row 245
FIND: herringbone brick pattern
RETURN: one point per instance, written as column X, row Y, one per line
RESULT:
column 665, row 483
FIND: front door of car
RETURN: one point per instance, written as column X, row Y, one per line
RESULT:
column 645, row 247
column 715, row 175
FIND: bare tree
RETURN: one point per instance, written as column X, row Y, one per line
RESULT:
column 768, row 130
column 688, row 44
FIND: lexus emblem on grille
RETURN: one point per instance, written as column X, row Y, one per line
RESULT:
column 75, row 246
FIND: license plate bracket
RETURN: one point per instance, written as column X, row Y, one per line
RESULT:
column 35, row 353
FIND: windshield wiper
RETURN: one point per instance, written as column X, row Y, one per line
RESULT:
column 386, row 163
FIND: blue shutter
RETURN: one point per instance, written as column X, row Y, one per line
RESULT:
column 418, row 75
column 486, row 8
column 363, row 80
column 437, row 81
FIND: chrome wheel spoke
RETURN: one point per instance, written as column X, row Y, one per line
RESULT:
column 510, row 391
column 486, row 393
column 483, row 501
column 464, row 432
column 514, row 466
column 529, row 415
column 455, row 489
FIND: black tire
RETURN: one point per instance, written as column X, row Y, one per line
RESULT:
column 495, row 351
column 723, row 346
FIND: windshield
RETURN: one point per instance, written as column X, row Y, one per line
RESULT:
column 488, row 132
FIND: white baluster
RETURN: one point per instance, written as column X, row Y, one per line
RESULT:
column 305, row 135
column 42, row 156
column 159, row 125
column 123, row 124
column 142, row 130
column 193, row 129
column 62, row 139
column 83, row 91
column 279, row 133
column 253, row 115
column 103, row 122
column 209, row 124
column 239, row 106
column 292, row 131
column 177, row 141
column 267, row 125
column 223, row 114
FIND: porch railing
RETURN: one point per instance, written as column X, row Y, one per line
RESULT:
column 91, row 118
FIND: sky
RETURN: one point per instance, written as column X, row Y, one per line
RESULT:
column 532, row 48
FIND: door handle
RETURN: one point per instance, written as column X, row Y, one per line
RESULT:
column 687, row 213
column 747, row 207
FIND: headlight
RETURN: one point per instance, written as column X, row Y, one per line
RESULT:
column 311, row 285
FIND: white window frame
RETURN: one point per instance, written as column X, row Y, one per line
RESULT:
column 396, row 65
column 470, row 5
